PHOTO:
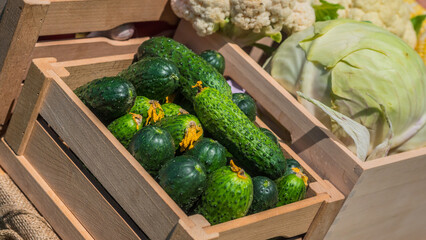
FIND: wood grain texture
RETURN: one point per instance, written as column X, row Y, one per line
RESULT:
column 41, row 195
column 28, row 106
column 327, row 213
column 310, row 139
column 121, row 175
column 19, row 31
column 71, row 16
column 79, row 72
column 286, row 221
column 74, row 189
column 387, row 203
column 67, row 50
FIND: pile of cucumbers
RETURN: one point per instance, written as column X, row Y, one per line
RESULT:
column 175, row 113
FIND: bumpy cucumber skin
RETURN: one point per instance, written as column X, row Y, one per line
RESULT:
column 268, row 133
column 227, row 196
column 291, row 188
column 256, row 152
column 141, row 106
column 292, row 163
column 265, row 194
column 215, row 59
column 192, row 67
column 184, row 179
column 108, row 98
column 177, row 125
column 171, row 109
column 123, row 128
column 246, row 104
column 210, row 152
column 152, row 147
column 154, row 78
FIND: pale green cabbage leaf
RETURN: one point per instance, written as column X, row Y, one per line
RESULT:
column 363, row 72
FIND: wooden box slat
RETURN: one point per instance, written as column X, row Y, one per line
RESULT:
column 74, row 49
column 74, row 189
column 41, row 195
column 72, row 16
column 295, row 218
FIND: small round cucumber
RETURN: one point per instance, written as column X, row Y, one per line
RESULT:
column 265, row 194
column 152, row 147
column 246, row 104
column 184, row 179
column 210, row 152
column 215, row 59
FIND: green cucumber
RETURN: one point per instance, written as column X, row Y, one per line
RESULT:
column 108, row 98
column 142, row 107
column 172, row 109
column 246, row 104
column 179, row 126
column 210, row 152
column 228, row 196
column 292, row 163
column 291, row 188
column 256, row 152
column 192, row 67
column 265, row 194
column 215, row 59
column 152, row 147
column 125, row 127
column 184, row 179
column 154, row 78
column 271, row 135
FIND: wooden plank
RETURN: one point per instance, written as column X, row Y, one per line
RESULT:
column 67, row 50
column 130, row 185
column 41, row 195
column 256, row 53
column 74, row 189
column 19, row 29
column 71, row 16
column 78, row 72
column 387, row 202
column 286, row 221
column 310, row 139
column 327, row 213
column 182, row 232
column 28, row 106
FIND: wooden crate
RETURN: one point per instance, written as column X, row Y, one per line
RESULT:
column 53, row 137
column 380, row 203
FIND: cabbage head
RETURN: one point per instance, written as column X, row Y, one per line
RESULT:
column 363, row 72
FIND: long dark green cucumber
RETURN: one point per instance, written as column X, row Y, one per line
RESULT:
column 255, row 151
column 192, row 67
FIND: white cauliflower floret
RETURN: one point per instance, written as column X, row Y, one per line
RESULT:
column 272, row 16
column 393, row 15
column 302, row 16
column 205, row 15
column 238, row 18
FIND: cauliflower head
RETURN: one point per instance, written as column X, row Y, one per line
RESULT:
column 246, row 21
column 392, row 15
column 205, row 15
